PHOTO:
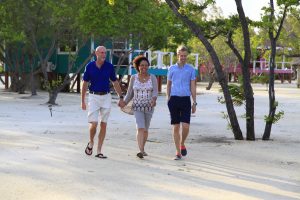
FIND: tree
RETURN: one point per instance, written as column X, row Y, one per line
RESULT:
column 245, row 61
column 14, row 45
column 274, row 28
column 45, row 25
column 290, row 33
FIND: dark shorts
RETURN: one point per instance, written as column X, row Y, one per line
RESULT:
column 180, row 109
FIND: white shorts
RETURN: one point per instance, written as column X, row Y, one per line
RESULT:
column 99, row 107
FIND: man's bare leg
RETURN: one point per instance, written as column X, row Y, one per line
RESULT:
column 93, row 128
column 101, row 136
column 185, row 132
column 177, row 138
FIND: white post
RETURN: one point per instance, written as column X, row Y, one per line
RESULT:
column 92, row 46
column 171, row 58
column 196, row 59
column 4, row 55
column 159, row 59
column 149, row 56
column 110, row 54
column 298, row 77
column 130, row 65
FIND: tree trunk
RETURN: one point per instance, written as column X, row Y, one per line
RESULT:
column 273, row 39
column 14, row 82
column 18, row 84
column 211, row 76
column 248, row 91
column 52, row 97
column 33, row 84
column 22, row 85
column 272, row 106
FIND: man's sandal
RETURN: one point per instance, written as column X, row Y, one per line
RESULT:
column 88, row 150
column 100, row 155
column 140, row 155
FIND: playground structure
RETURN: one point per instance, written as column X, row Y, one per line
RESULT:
column 156, row 61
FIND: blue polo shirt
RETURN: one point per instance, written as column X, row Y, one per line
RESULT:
column 99, row 78
column 181, row 78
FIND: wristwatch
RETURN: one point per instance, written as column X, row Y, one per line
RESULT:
column 121, row 97
column 195, row 104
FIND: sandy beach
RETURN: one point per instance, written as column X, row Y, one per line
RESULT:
column 42, row 157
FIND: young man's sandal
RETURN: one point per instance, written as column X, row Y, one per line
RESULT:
column 88, row 150
column 183, row 150
column 178, row 157
column 100, row 155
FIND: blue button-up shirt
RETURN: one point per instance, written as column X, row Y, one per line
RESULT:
column 181, row 78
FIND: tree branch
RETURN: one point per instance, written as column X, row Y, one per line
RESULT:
column 244, row 24
column 230, row 43
column 281, row 22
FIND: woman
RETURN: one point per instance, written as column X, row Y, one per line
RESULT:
column 143, row 91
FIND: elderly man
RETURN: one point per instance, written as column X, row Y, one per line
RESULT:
column 96, row 78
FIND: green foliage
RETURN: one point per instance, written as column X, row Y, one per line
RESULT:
column 10, row 21
column 245, row 116
column 237, row 93
column 111, row 2
column 51, row 84
column 276, row 118
column 183, row 11
column 263, row 79
column 135, row 20
column 97, row 17
column 225, row 116
column 290, row 35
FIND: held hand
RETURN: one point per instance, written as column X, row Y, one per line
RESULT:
column 194, row 108
column 153, row 103
column 121, row 103
column 83, row 106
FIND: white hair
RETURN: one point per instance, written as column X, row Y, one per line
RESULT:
column 100, row 47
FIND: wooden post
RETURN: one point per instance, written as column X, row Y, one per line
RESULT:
column 159, row 81
column 298, row 77
column 78, row 82
column 6, row 80
column 128, row 79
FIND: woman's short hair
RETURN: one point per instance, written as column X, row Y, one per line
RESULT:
column 137, row 61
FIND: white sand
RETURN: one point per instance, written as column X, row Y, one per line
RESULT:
column 42, row 157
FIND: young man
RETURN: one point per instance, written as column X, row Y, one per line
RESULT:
column 97, row 76
column 181, row 85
